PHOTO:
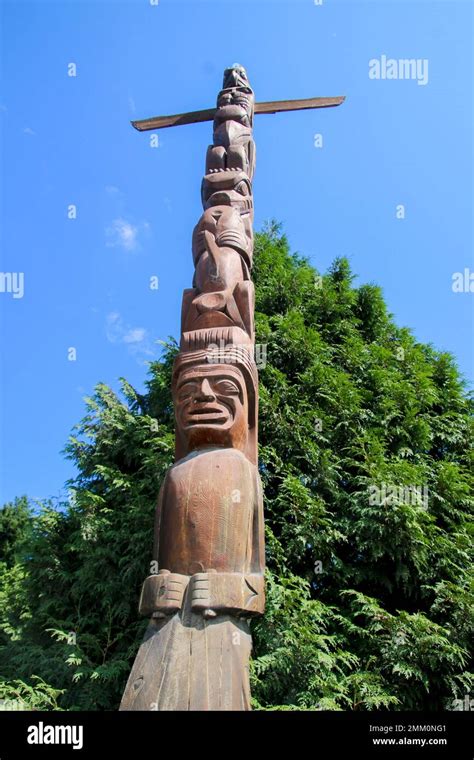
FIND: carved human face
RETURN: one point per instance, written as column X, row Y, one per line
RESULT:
column 211, row 406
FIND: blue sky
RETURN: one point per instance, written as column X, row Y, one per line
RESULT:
column 67, row 140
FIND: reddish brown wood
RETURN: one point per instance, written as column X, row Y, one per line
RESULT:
column 160, row 122
column 207, row 572
column 270, row 106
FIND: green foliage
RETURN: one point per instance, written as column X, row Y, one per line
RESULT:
column 369, row 598
column 15, row 529
column 18, row 695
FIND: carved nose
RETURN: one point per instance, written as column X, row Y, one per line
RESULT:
column 205, row 392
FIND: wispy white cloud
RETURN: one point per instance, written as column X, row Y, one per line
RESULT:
column 114, row 327
column 28, row 131
column 124, row 234
column 136, row 339
column 131, row 105
column 135, row 335
column 112, row 190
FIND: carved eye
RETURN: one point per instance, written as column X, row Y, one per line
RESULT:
column 186, row 390
column 227, row 387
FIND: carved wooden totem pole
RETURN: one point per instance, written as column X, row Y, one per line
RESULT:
column 209, row 544
column 209, row 533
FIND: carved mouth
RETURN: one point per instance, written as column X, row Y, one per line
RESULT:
column 207, row 414
column 207, row 421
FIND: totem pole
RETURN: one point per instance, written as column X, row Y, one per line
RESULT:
column 209, row 544
column 209, row 534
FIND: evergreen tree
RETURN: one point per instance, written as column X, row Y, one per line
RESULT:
column 366, row 461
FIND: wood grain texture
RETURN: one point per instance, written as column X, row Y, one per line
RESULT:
column 209, row 552
column 189, row 663
column 270, row 106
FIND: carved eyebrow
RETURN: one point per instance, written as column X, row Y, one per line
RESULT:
column 228, row 380
column 184, row 383
column 212, row 378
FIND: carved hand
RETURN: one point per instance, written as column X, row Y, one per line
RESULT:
column 231, row 593
column 162, row 593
